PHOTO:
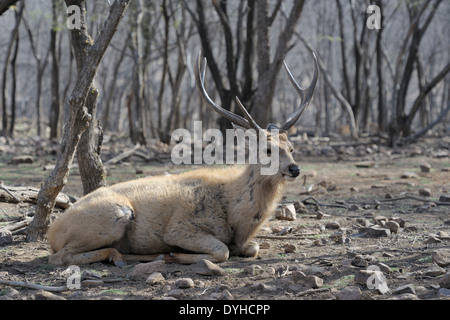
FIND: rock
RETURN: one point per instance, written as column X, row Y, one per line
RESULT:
column 320, row 215
column 5, row 237
column 290, row 248
column 443, row 292
column 184, row 283
column 392, row 226
column 359, row 262
column 408, row 288
column 433, row 239
column 443, row 235
column 400, row 221
column 374, row 232
column 268, row 273
column 208, row 268
column 176, row 293
column 264, row 245
column 380, row 220
column 425, row 192
column 332, row 225
column 21, row 159
column 253, row 269
column 408, row 175
column 384, row 267
column 92, row 283
column 46, row 295
column 349, row 293
column 444, row 282
column 362, row 276
column 307, row 281
column 425, row 167
column 320, row 242
column 434, row 271
column 155, row 278
column 146, row 269
column 287, row 212
column 444, row 198
column 354, row 207
column 404, row 296
column 300, row 207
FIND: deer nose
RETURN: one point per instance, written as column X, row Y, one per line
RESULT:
column 294, row 170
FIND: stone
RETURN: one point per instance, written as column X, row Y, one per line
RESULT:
column 432, row 239
column 307, row 280
column 264, row 245
column 287, row 212
column 425, row 167
column 443, row 292
column 155, row 278
column 434, row 271
column 408, row 288
column 349, row 293
column 374, row 232
column 400, row 221
column 92, row 283
column 208, row 268
column 444, row 282
column 408, row 175
column 176, row 293
column 184, row 283
column 392, row 226
column 21, row 159
column 444, row 198
column 404, row 296
column 332, row 225
column 384, row 267
column 146, row 269
column 425, row 192
column 5, row 237
column 290, row 248
column 360, row 262
column 362, row 276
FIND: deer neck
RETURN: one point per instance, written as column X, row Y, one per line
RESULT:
column 253, row 198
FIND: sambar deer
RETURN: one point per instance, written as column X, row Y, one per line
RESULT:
column 209, row 213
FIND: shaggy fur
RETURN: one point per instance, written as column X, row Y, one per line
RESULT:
column 208, row 213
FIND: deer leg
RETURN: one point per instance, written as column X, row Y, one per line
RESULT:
column 69, row 257
column 204, row 246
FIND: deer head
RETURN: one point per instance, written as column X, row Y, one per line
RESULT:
column 276, row 138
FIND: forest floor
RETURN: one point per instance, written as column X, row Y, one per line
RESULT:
column 322, row 254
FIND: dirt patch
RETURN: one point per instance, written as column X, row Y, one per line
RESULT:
column 327, row 242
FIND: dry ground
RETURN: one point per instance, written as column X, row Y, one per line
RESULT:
column 335, row 175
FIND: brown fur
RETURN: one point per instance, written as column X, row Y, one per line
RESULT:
column 209, row 213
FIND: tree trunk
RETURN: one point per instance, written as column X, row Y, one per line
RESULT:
column 268, row 70
column 55, row 107
column 13, row 39
column 78, row 122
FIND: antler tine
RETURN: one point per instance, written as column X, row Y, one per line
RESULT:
column 305, row 94
column 247, row 115
column 200, row 77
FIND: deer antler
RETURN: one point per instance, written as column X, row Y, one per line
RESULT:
column 248, row 123
column 305, row 94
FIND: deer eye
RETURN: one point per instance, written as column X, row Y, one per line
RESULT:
column 291, row 150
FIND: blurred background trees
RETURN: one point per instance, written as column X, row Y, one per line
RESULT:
column 391, row 82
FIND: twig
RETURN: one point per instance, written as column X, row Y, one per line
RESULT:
column 304, row 293
column 2, row 186
column 18, row 225
column 32, row 286
column 281, row 237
